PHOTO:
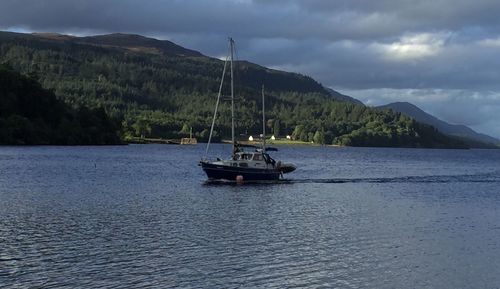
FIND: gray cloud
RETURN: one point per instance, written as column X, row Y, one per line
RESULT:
column 440, row 54
column 333, row 20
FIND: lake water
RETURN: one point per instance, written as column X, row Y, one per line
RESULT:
column 142, row 216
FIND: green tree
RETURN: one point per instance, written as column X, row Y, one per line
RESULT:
column 298, row 132
column 142, row 127
column 319, row 137
column 277, row 128
column 186, row 129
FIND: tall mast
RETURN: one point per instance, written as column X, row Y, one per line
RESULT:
column 231, row 45
column 263, row 122
column 217, row 104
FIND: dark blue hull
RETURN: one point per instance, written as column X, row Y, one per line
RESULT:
column 222, row 172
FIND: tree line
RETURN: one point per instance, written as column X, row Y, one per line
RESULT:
column 161, row 95
column 30, row 114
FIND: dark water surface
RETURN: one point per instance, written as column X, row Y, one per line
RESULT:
column 141, row 216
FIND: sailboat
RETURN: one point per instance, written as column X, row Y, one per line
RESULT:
column 247, row 162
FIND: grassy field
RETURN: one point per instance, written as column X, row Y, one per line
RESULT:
column 277, row 142
column 289, row 142
column 284, row 141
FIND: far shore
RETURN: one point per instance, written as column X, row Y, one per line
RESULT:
column 258, row 142
column 281, row 142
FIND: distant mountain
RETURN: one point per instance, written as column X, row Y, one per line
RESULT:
column 127, row 41
column 341, row 97
column 160, row 89
column 140, row 43
column 460, row 131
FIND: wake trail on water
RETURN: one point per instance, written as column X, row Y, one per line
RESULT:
column 493, row 177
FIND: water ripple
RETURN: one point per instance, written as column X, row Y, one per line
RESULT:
column 396, row 219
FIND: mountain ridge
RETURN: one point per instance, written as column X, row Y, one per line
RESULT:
column 139, row 43
column 143, row 44
column 166, row 94
column 342, row 97
column 133, row 42
column 457, row 130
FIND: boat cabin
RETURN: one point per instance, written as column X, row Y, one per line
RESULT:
column 255, row 159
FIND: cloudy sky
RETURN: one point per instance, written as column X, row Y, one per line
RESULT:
column 442, row 55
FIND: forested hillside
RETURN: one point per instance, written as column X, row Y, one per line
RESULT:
column 30, row 114
column 466, row 134
column 160, row 89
